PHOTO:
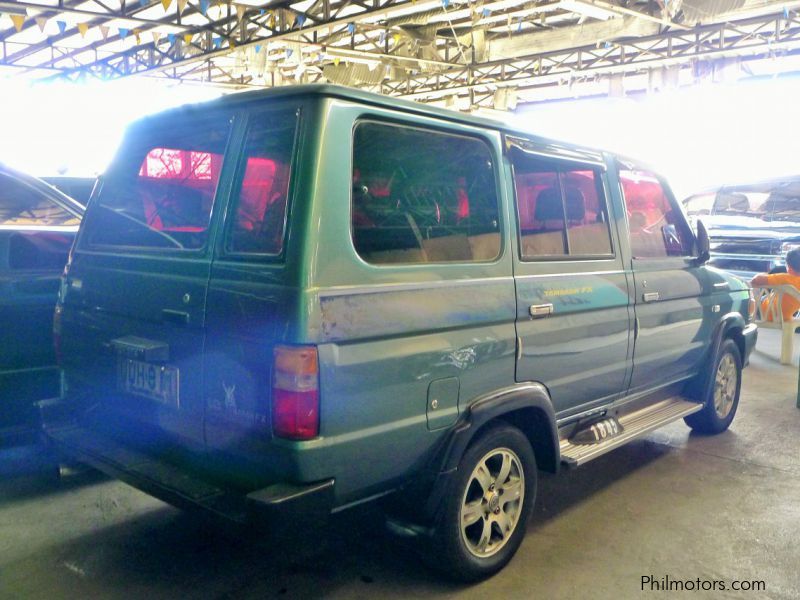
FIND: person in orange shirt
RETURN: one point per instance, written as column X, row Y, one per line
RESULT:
column 789, row 305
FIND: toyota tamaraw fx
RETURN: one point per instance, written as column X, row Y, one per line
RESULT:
column 285, row 303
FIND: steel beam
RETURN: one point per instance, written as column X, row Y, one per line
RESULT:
column 750, row 38
column 366, row 34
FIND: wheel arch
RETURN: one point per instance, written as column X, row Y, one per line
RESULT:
column 526, row 406
column 736, row 333
column 730, row 326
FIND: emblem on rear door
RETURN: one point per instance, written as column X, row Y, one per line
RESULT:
column 230, row 395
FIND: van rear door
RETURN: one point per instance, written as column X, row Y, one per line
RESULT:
column 134, row 298
column 252, row 295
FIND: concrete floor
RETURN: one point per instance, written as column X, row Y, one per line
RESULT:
column 672, row 504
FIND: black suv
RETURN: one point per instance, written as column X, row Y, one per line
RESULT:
column 37, row 226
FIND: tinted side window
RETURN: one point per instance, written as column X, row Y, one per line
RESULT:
column 260, row 205
column 541, row 213
column 562, row 211
column 23, row 205
column 657, row 227
column 160, row 191
column 422, row 196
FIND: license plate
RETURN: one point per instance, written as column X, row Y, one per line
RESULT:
column 158, row 382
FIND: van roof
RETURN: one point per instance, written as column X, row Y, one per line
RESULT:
column 346, row 93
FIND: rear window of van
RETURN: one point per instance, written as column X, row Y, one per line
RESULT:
column 259, row 203
column 160, row 191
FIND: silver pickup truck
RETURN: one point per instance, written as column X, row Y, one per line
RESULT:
column 752, row 226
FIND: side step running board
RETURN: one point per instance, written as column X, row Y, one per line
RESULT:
column 634, row 424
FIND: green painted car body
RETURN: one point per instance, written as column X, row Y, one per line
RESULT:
column 412, row 358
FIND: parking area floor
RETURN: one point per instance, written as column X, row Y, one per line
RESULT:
column 675, row 505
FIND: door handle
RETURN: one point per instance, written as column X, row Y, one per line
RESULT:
column 175, row 316
column 651, row 296
column 541, row 310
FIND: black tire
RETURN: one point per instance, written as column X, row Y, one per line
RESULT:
column 722, row 397
column 456, row 553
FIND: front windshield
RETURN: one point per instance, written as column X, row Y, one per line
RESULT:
column 784, row 208
column 776, row 207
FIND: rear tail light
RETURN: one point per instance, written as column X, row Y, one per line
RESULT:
column 295, row 393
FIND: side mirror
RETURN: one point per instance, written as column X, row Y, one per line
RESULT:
column 703, row 245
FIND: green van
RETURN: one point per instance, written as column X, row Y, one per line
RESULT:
column 286, row 303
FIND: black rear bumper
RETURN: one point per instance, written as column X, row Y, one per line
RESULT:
column 271, row 507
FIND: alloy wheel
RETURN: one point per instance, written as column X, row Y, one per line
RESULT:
column 725, row 386
column 492, row 501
